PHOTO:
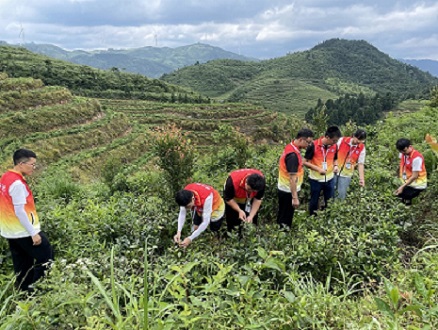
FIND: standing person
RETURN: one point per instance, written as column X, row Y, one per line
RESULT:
column 351, row 151
column 207, row 207
column 290, row 177
column 412, row 172
column 321, row 159
column 243, row 193
column 19, row 223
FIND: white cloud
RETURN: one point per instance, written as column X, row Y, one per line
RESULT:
column 258, row 27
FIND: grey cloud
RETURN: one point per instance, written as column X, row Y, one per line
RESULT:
column 255, row 28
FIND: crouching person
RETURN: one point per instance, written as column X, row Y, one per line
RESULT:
column 243, row 193
column 207, row 208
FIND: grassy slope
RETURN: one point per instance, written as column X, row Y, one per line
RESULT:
column 328, row 70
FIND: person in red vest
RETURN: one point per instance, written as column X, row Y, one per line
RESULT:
column 207, row 207
column 321, row 159
column 19, row 223
column 243, row 193
column 412, row 172
column 351, row 152
column 290, row 177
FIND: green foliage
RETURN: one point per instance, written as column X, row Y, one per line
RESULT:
column 175, row 157
column 82, row 80
column 361, row 109
column 295, row 82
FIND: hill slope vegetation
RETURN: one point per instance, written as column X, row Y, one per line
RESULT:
column 148, row 61
column 328, row 70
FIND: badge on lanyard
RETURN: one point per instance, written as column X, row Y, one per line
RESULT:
column 348, row 165
column 404, row 176
column 248, row 205
column 324, row 166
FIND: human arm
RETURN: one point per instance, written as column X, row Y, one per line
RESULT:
column 293, row 189
column 181, row 220
column 417, row 164
column 413, row 177
column 292, row 165
column 229, row 194
column 18, row 194
column 361, row 167
column 206, row 216
column 254, row 209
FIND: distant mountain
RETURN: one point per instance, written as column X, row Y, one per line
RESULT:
column 295, row 82
column 18, row 62
column 149, row 61
column 430, row 66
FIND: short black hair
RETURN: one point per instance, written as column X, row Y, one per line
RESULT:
column 22, row 156
column 256, row 181
column 402, row 143
column 183, row 197
column 332, row 132
column 360, row 134
column 304, row 133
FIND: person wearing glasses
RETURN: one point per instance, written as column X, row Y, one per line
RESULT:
column 243, row 193
column 351, row 153
column 290, row 177
column 207, row 208
column 19, row 223
column 412, row 172
column 321, row 159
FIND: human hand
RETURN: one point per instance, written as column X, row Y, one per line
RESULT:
column 242, row 215
column 335, row 169
column 249, row 219
column 36, row 239
column 185, row 243
column 321, row 171
column 295, row 202
column 362, row 182
column 399, row 190
column 177, row 237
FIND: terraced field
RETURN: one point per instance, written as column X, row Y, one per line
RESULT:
column 80, row 135
column 201, row 120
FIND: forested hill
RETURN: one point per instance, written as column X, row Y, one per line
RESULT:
column 86, row 81
column 148, row 61
column 295, row 82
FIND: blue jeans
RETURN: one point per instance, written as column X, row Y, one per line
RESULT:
column 328, row 189
column 341, row 186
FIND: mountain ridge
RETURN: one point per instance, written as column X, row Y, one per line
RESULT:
column 330, row 69
column 148, row 61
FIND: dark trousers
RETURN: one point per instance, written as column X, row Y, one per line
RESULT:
column 30, row 261
column 328, row 189
column 233, row 220
column 285, row 213
column 408, row 194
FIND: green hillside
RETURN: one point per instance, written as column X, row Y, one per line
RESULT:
column 74, row 133
column 86, row 81
column 106, row 202
column 149, row 61
column 330, row 69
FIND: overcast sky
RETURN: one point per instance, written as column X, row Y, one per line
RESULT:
column 258, row 28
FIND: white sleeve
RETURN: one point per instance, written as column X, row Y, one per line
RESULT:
column 361, row 159
column 417, row 164
column 206, row 216
column 18, row 193
column 181, row 217
column 24, row 220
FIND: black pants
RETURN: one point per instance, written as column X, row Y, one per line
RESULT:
column 408, row 194
column 30, row 261
column 286, row 211
column 233, row 220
